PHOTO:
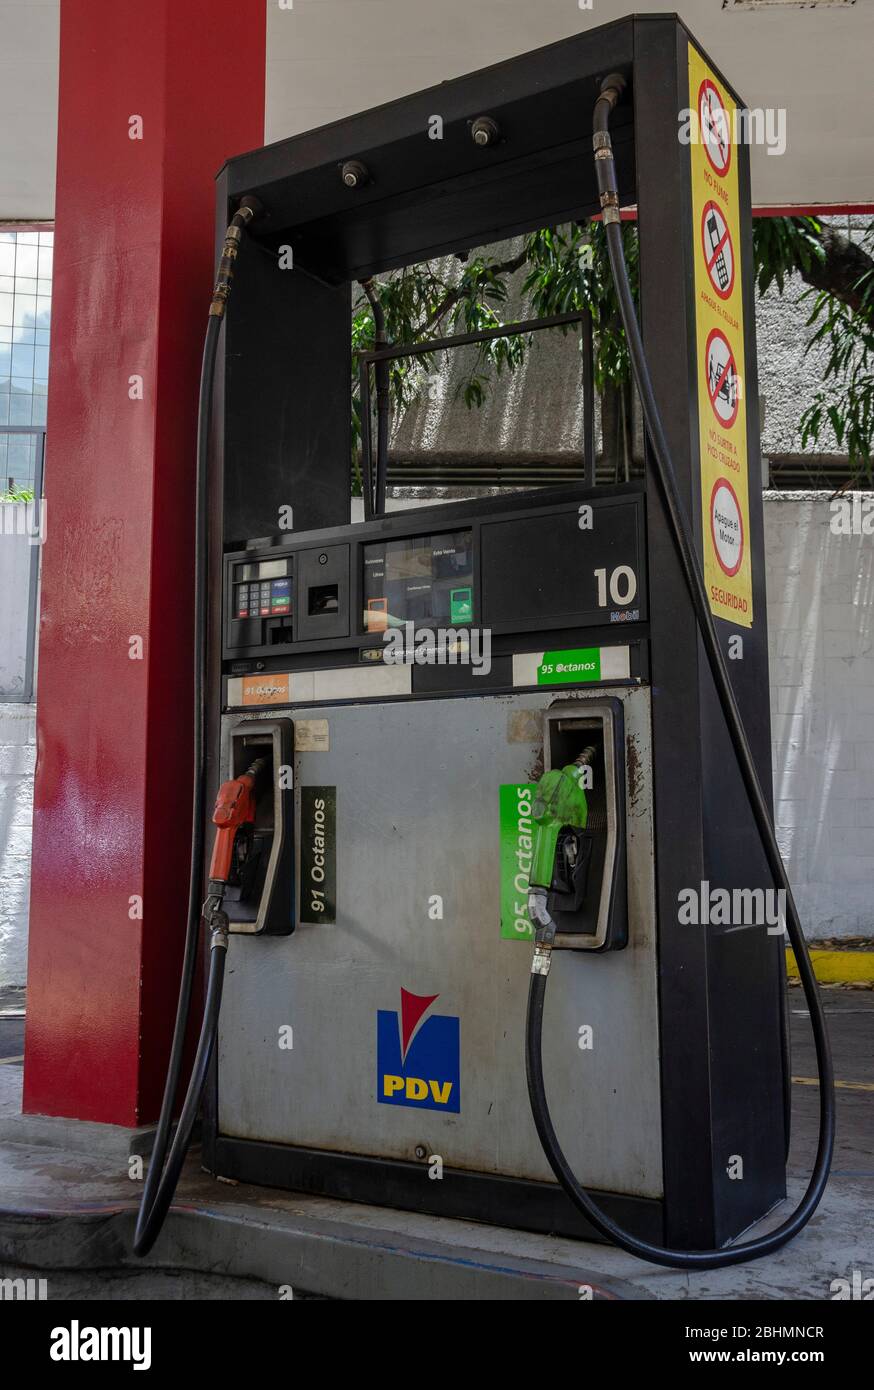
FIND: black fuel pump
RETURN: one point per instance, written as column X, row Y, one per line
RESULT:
column 327, row 655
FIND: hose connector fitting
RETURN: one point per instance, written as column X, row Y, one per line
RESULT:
column 542, row 960
column 610, row 207
column 215, row 917
column 246, row 212
column 544, row 929
column 612, row 87
column 219, row 931
column 605, row 168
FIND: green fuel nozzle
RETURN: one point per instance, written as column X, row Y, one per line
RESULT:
column 560, row 803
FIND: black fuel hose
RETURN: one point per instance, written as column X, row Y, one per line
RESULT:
column 161, row 1179
column 611, row 91
column 163, row 1172
column 380, row 340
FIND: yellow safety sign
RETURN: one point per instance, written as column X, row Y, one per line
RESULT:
column 719, row 320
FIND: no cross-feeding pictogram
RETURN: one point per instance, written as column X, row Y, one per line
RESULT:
column 723, row 382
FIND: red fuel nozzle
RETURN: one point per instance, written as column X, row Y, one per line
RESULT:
column 234, row 808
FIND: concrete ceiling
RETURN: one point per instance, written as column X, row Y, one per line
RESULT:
column 28, row 107
column 329, row 58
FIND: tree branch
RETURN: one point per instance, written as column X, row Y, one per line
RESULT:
column 459, row 291
column 839, row 274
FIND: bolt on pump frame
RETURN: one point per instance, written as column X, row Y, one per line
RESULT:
column 284, row 356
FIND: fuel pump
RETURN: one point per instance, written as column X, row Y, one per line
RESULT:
column 336, row 801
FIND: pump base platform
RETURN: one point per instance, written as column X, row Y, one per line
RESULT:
column 64, row 1210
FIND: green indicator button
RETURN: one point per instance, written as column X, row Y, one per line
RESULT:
column 570, row 667
column 460, row 606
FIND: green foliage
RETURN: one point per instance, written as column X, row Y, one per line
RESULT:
column 845, row 400
column 782, row 245
column 22, row 495
column 570, row 271
column 424, row 301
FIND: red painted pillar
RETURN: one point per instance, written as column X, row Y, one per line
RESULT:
column 134, row 263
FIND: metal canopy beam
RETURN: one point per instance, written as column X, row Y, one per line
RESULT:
column 425, row 195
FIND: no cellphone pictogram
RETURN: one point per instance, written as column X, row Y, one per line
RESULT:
column 718, row 250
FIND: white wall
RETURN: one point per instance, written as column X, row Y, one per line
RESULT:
column 17, row 754
column 821, row 619
column 16, row 558
column 29, row 46
column 17, row 744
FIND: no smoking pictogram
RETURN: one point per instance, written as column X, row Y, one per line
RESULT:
column 718, row 250
column 726, row 527
column 714, row 126
column 723, row 384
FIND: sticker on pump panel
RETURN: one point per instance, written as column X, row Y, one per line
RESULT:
column 318, row 854
column 718, row 256
column 517, row 847
column 265, row 690
column 570, row 667
column 418, row 1058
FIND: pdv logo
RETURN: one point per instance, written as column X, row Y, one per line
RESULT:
column 417, row 1058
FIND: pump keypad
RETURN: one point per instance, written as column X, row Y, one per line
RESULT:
column 269, row 598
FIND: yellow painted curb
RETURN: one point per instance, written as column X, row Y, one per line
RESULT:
column 843, row 1085
column 836, row 967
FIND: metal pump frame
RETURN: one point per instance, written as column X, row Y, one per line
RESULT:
column 374, row 484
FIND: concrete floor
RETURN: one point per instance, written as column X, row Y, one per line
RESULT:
column 68, row 1216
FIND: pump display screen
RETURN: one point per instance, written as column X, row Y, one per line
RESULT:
column 421, row 579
